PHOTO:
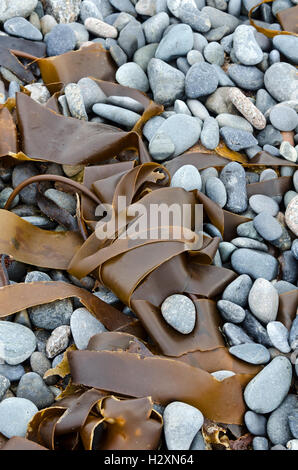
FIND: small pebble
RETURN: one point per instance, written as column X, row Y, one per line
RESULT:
column 279, row 336
column 230, row 311
column 235, row 334
column 33, row 388
column 181, row 423
column 58, row 341
column 15, row 414
column 179, row 312
column 83, row 326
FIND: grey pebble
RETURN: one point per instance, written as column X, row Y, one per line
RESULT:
column 179, row 312
column 220, row 18
column 261, row 203
column 60, row 40
column 176, row 43
column 248, row 77
column 267, row 226
column 22, row 28
column 187, row 177
column 255, row 423
column 181, row 423
column 133, row 76
column 39, row 363
column 230, row 311
column 62, row 199
column 268, row 174
column 270, row 136
column 121, row 116
column 237, row 291
column 12, row 373
column 255, row 330
column 184, row 131
column 201, row 80
column 20, row 173
column 237, row 122
column 244, row 242
column 235, row 334
column 281, row 81
column 118, row 55
column 263, row 301
column 233, row 178
column 166, row 82
column 264, row 100
column 288, row 46
column 33, row 388
column 272, row 150
column 193, row 57
column 283, row 118
column 260, row 443
column 284, row 286
column 155, row 26
column 83, row 326
column 75, row 101
column 15, row 414
column 91, row 93
column 246, row 48
column 126, row 102
column 225, row 250
column 161, row 146
column 279, row 336
column 254, row 263
column 247, row 229
column 210, row 133
column 196, row 19
column 216, row 190
column 251, row 353
column 37, row 276
column 58, row 341
column 214, row 53
column 51, row 315
column 151, row 126
column 278, row 428
column 237, row 139
column 18, row 342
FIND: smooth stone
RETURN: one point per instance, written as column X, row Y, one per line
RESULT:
column 255, row 330
column 118, row 55
column 283, row 118
column 15, row 414
column 230, row 311
column 251, row 353
column 279, row 335
column 121, row 116
column 58, row 341
column 91, row 93
column 255, row 423
column 278, row 428
column 268, row 174
column 284, row 286
column 281, row 81
column 289, row 195
column 198, row 442
column 199, row 42
column 238, row 290
column 237, row 122
column 161, row 146
column 166, row 82
column 193, row 57
column 180, row 313
column 216, row 191
column 233, row 178
column 33, row 388
column 22, row 28
column 176, row 43
column 131, row 38
column 181, row 423
column 151, row 126
column 237, row 139
column 196, row 19
column 235, row 334
column 288, row 46
column 267, row 226
column 126, row 102
column 212, row 230
column 288, row 151
column 254, row 263
column 210, row 133
column 245, row 106
column 225, row 250
column 293, row 422
column 220, row 102
column 291, row 215
column 51, row 315
column 266, row 391
column 100, row 29
column 12, row 373
column 83, row 326
column 220, row 18
column 246, row 48
column 214, row 53
column 107, row 296
column 39, row 363
column 197, row 109
column 145, row 7
column 247, row 229
column 132, row 76
column 261, row 203
column 64, row 200
column 60, row 40
column 181, row 108
column 187, row 177
column 21, row 173
column 183, row 130
column 47, row 23
column 89, row 10
column 4, row 386
column 155, row 26
column 201, row 80
column 4, row 195
column 17, row 341
column 244, row 242
column 42, row 337
column 208, row 173
column 143, row 55
column 263, row 301
column 272, row 150
column 260, row 443
column 221, row 375
column 223, row 78
column 75, row 101
column 247, row 77
column 16, row 8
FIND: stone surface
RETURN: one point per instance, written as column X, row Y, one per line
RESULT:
column 60, row 40
column 184, row 131
column 181, row 424
column 260, row 443
column 33, row 388
column 15, row 414
column 133, row 76
column 220, row 18
column 288, row 151
column 216, row 191
column 266, row 391
column 64, row 11
column 293, row 422
column 254, row 263
column 263, row 301
column 255, row 330
column 233, row 178
column 83, row 326
column 288, row 46
column 279, row 336
column 292, row 215
column 255, row 423
column 281, row 81
column 201, row 80
column 100, row 28
column 237, row 139
column 230, row 311
column 64, row 200
column 161, row 146
column 237, row 122
column 238, row 290
column 176, row 43
column 283, row 118
column 267, row 226
column 58, row 341
column 210, row 133
column 12, row 373
column 91, row 93
column 18, row 342
column 22, row 28
column 52, row 315
column 179, row 312
column 235, row 334
column 246, row 48
column 166, row 82
column 261, row 203
column 248, row 77
column 121, row 116
column 251, row 353
column 214, row 53
column 155, row 26
column 278, row 429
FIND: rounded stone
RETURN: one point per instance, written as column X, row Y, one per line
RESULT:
column 166, row 82
column 263, row 301
column 293, row 422
column 251, row 353
column 261, row 203
column 64, row 200
column 184, row 131
column 246, row 48
column 221, row 375
column 58, row 341
column 132, row 76
column 266, row 391
column 291, row 215
column 238, row 290
column 161, row 146
column 52, row 315
column 12, row 373
column 33, row 388
column 214, row 53
column 91, row 93
column 201, row 80
column 180, row 313
column 237, row 139
column 237, row 122
column 100, row 28
column 247, row 77
column 124, row 117
column 17, row 341
column 255, row 423
column 283, row 118
column 230, row 311
column 279, row 336
column 210, row 133
column 22, row 28
column 39, row 363
column 267, row 226
column 60, row 40
column 260, row 443
column 235, row 334
column 176, row 43
column 278, row 428
column 281, row 81
column 155, row 26
column 244, row 242
column 233, row 178
column 187, row 177
column 181, row 423
column 287, row 45
column 254, row 263
column 216, row 191
column 83, row 326
column 15, row 414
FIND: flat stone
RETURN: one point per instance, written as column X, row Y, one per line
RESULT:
column 267, row 226
column 58, row 341
column 210, row 133
column 22, row 28
column 181, row 423
column 161, row 146
column 270, row 136
column 184, row 131
column 246, row 48
column 118, row 55
column 255, row 423
column 261, row 203
column 233, row 178
column 15, row 414
column 51, row 315
column 179, row 312
column 237, row 122
column 225, row 250
column 263, row 301
column 187, row 177
column 235, row 334
column 247, row 77
column 201, row 80
column 288, row 46
column 155, row 26
column 254, row 263
column 237, row 139
column 121, row 116
column 18, row 342
column 278, row 428
column 176, row 43
column 230, row 311
column 60, row 40
column 244, row 242
column 166, row 82
column 291, row 215
column 279, row 336
column 91, row 93
column 216, row 191
column 238, row 290
column 281, row 81
column 220, row 18
column 196, row 19
column 107, row 296
column 100, row 29
column 83, row 326
column 266, row 391
column 32, row 387
column 75, row 101
column 283, row 118
column 143, row 55
column 251, row 353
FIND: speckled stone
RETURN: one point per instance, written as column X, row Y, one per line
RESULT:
column 279, row 336
column 247, row 108
column 267, row 226
column 33, row 388
column 255, row 330
column 248, row 77
column 288, row 151
column 238, row 290
column 254, row 263
column 237, row 139
column 166, row 82
column 216, row 191
column 51, row 315
column 100, row 28
column 292, row 215
column 281, row 81
column 230, row 311
column 15, row 414
column 83, row 326
column 233, row 178
column 260, row 443
column 179, row 312
column 278, row 429
column 75, row 101
column 58, row 341
column 60, row 40
column 235, row 334
column 251, row 353
column 263, row 301
column 261, row 203
column 22, row 28
column 64, row 11
column 181, row 423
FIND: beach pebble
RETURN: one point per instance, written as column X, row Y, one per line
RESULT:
column 22, row 28
column 161, row 146
column 247, row 229
column 83, row 326
column 288, row 151
column 187, row 177
column 221, row 375
column 233, row 178
column 263, row 301
column 51, row 315
column 283, row 118
column 15, row 414
column 237, row 122
column 60, row 40
column 100, row 29
column 261, row 203
column 251, row 353
column 278, row 428
column 235, row 334
column 214, row 53
column 201, row 80
column 33, row 388
column 75, row 101
column 246, row 48
column 179, row 312
column 291, row 215
column 12, row 373
column 238, row 290
column 181, row 424
column 17, row 341
column 281, row 81
column 260, row 443
column 279, row 336
column 210, row 133
column 166, row 82
column 216, row 191
column 254, row 263
column 248, row 77
column 253, row 115
column 255, row 423
column 288, row 46
column 155, row 26
column 58, row 341
column 184, row 131
column 91, row 93
column 196, row 19
column 267, row 226
column 230, row 311
column 121, row 116
column 237, row 139
column 176, row 43
column 133, row 76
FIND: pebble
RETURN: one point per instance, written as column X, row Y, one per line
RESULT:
column 281, row 81
column 265, row 204
column 33, row 388
column 266, row 391
column 100, row 28
column 251, row 353
column 288, row 46
column 131, row 38
column 220, row 18
column 58, row 341
column 255, row 423
column 293, row 422
column 292, row 444
column 161, row 146
column 288, row 151
column 233, row 178
column 187, row 177
column 181, row 423
column 176, row 43
column 20, row 173
column 119, row 55
column 220, row 102
column 83, row 326
column 121, row 116
column 237, row 122
column 237, row 139
column 246, row 48
column 278, row 429
column 143, row 55
column 145, row 7
column 268, row 174
column 89, row 10
column 235, row 334
column 38, row 92
column 181, row 108
column 180, row 313
column 4, row 386
column 263, row 301
column 132, row 76
column 47, row 23
column 91, row 93
column 12, row 373
column 107, row 296
column 75, row 101
column 267, row 226
column 22, row 28
column 39, row 363
column 238, row 290
column 254, row 263
column 155, row 26
column 223, row 78
column 197, row 109
column 65, row 11
column 230, row 311
column 51, row 315
column 282, row 287
column 291, row 215
column 18, row 342
column 166, row 82
column 4, row 195
column 272, row 150
column 221, row 375
column 247, row 229
column 151, row 126
column 60, row 40
column 225, row 250
column 255, row 330
column 64, row 200
column 201, row 80
column 260, row 443
column 210, row 133
column 247, row 77
column 198, row 442
column 214, row 53
column 216, row 190
column 184, row 131
column 196, row 19
column 15, row 414
column 17, row 8
column 283, row 118
column 244, row 242
column 279, row 336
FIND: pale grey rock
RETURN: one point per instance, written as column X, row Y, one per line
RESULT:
column 132, row 76
column 180, row 313
column 17, row 341
column 15, row 414
column 246, row 48
column 83, row 326
column 263, row 301
column 166, row 82
column 181, row 423
column 279, row 336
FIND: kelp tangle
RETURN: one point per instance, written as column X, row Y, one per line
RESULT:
column 139, row 362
